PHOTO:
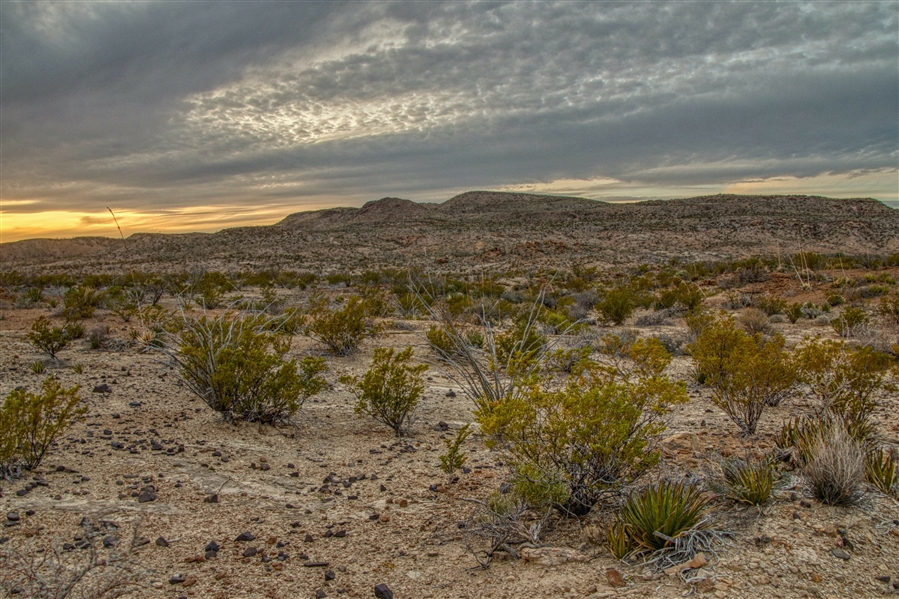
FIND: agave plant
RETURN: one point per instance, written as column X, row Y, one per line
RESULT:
column 882, row 471
column 749, row 482
column 658, row 514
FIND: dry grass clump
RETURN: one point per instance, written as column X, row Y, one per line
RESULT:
column 836, row 466
column 755, row 321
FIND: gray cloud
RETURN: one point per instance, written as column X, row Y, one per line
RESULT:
column 171, row 104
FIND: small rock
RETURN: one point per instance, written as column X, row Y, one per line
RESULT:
column 146, row 497
column 552, row 556
column 245, row 536
column 885, row 579
column 249, row 552
column 382, row 591
column 330, row 575
column 212, row 546
column 839, row 553
column 176, row 579
column 13, row 516
column 698, row 561
column 308, row 538
column 102, row 388
column 615, row 579
column 320, row 594
column 110, row 541
column 214, row 498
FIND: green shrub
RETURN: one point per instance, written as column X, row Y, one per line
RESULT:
column 236, row 365
column 889, row 308
column 523, row 341
column 617, row 305
column 771, row 305
column 686, row 295
column 341, row 330
column 390, row 389
column 794, row 312
column 30, row 423
column 749, row 481
column 80, row 302
column 454, row 458
column 746, row 372
column 850, row 320
column 835, row 299
column 654, row 517
column 591, row 434
column 845, row 380
column 37, row 367
column 51, row 339
column 124, row 302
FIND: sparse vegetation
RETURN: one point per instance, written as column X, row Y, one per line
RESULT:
column 31, row 422
column 236, row 365
column 51, row 339
column 341, row 329
column 390, row 389
column 746, row 372
column 454, row 458
column 591, row 434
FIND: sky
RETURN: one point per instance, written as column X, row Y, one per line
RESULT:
column 199, row 115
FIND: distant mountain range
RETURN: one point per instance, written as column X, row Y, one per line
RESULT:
column 486, row 229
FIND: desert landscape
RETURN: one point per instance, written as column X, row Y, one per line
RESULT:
column 477, row 486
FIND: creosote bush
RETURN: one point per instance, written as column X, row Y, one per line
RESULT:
column 236, row 364
column 617, row 305
column 51, row 339
column 454, row 458
column 389, row 391
column 30, row 423
column 341, row 329
column 746, row 372
column 845, row 380
column 592, row 433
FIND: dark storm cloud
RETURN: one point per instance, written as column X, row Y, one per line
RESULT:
column 173, row 104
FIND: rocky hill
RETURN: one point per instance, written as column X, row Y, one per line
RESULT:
column 481, row 229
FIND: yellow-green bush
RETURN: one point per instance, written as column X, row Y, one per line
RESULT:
column 30, row 423
column 236, row 364
column 617, row 305
column 51, row 339
column 390, row 389
column 591, row 434
column 343, row 329
column 746, row 372
column 844, row 379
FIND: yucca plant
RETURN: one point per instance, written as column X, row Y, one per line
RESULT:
column 749, row 481
column 618, row 541
column 658, row 514
column 882, row 471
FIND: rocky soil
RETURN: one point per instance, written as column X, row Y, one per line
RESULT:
column 337, row 505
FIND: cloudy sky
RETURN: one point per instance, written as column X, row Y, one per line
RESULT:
column 198, row 115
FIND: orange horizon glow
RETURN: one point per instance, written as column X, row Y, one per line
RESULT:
column 18, row 226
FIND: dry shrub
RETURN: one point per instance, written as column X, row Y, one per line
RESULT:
column 755, row 321
column 836, row 466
